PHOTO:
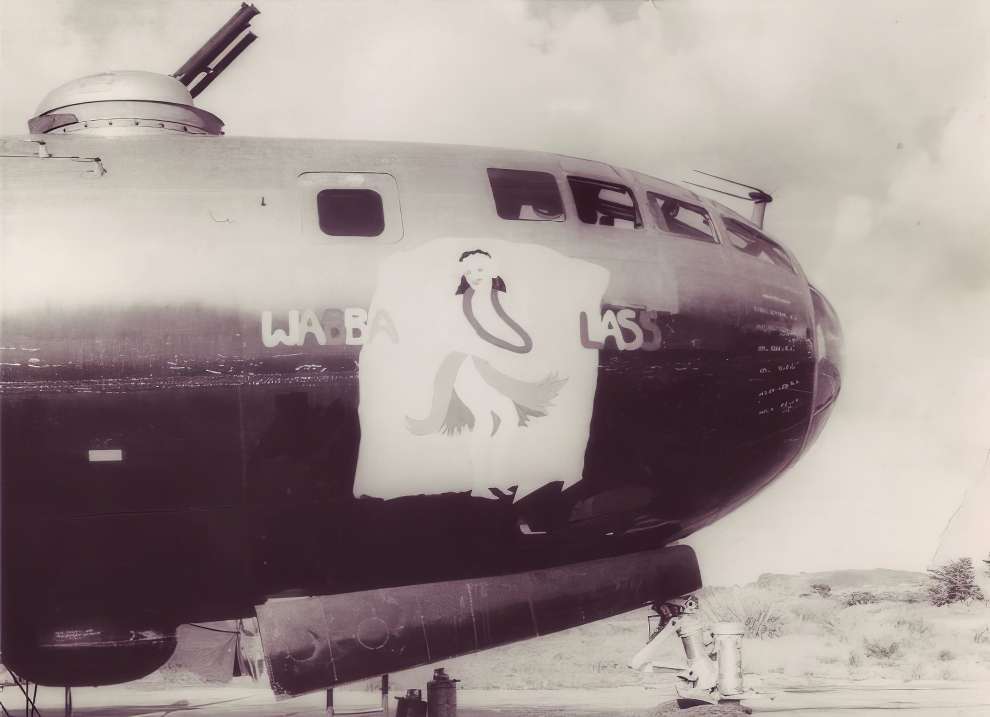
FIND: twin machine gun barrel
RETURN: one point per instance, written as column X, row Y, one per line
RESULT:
column 222, row 49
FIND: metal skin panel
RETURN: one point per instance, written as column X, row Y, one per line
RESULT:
column 134, row 325
column 316, row 642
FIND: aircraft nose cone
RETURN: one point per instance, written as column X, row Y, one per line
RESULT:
column 828, row 343
column 828, row 363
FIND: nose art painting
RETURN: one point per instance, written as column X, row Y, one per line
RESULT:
column 475, row 376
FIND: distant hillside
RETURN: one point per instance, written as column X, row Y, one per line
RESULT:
column 879, row 580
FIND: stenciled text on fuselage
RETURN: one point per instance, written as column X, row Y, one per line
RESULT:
column 629, row 329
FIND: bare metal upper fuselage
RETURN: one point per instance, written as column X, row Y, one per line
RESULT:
column 232, row 222
column 162, row 195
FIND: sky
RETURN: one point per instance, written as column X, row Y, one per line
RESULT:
column 867, row 122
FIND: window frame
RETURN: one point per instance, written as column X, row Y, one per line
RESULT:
column 788, row 263
column 561, row 217
column 313, row 182
column 715, row 238
column 638, row 223
column 320, row 217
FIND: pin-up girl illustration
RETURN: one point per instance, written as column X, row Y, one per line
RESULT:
column 470, row 393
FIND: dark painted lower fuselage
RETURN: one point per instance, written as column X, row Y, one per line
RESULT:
column 238, row 486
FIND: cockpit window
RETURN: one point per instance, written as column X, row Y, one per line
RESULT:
column 526, row 195
column 681, row 218
column 755, row 244
column 605, row 203
column 350, row 212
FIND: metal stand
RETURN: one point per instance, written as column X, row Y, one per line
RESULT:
column 383, row 709
column 30, row 695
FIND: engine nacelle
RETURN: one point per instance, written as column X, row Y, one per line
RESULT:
column 90, row 655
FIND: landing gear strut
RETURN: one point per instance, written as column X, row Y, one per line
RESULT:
column 713, row 671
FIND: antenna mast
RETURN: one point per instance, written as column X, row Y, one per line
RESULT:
column 757, row 196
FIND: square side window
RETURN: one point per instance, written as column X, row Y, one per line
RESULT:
column 526, row 195
column 754, row 244
column 681, row 218
column 350, row 212
column 605, row 203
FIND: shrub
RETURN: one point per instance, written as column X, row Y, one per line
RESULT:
column 881, row 649
column 766, row 624
column 759, row 611
column 818, row 616
column 916, row 626
column 822, row 589
column 860, row 597
column 953, row 582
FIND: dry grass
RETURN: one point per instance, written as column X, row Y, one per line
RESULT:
column 899, row 640
column 754, row 607
column 794, row 636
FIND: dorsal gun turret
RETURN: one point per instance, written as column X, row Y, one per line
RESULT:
column 134, row 102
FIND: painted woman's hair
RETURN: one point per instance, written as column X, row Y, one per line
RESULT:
column 497, row 283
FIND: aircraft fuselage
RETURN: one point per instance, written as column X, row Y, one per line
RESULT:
column 221, row 357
